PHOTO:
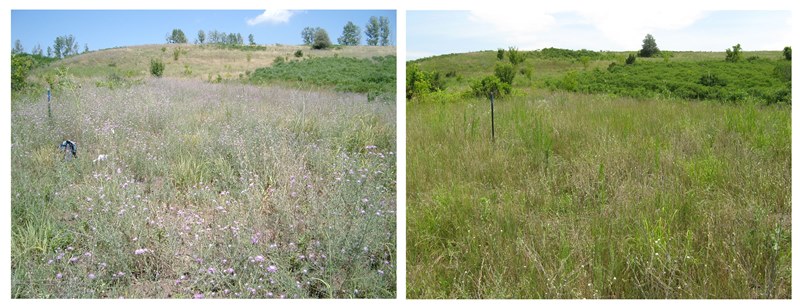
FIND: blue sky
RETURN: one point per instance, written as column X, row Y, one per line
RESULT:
column 105, row 29
column 441, row 32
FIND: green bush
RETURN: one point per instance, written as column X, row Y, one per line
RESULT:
column 420, row 82
column 500, row 53
column 21, row 65
column 321, row 40
column 156, row 67
column 734, row 55
column 490, row 85
column 278, row 60
column 630, row 60
column 515, row 56
column 711, row 79
column 505, row 72
column 787, row 53
column 298, row 53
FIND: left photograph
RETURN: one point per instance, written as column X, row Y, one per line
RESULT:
column 203, row 154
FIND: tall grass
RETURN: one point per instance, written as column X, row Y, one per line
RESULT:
column 589, row 196
column 206, row 190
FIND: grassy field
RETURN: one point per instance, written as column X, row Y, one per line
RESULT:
column 184, row 188
column 594, row 195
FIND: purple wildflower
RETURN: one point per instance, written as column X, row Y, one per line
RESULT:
column 91, row 276
column 199, row 296
column 259, row 258
column 140, row 251
column 272, row 268
column 59, row 276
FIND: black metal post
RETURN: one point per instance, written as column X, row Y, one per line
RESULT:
column 48, row 103
column 491, row 99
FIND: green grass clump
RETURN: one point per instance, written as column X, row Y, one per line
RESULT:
column 344, row 74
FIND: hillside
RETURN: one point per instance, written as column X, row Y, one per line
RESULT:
column 201, row 60
column 550, row 66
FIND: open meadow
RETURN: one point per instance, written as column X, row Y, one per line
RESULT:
column 602, row 182
column 193, row 185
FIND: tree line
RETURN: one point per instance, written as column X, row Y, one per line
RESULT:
column 376, row 31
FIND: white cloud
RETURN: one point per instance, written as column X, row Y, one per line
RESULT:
column 271, row 16
column 521, row 28
column 627, row 29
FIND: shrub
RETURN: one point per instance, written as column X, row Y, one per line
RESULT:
column 500, row 53
column 278, row 60
column 515, row 56
column 298, row 53
column 176, row 53
column 733, row 55
column 787, row 53
column 488, row 85
column 711, row 79
column 505, row 72
column 420, row 82
column 321, row 40
column 783, row 71
column 21, row 65
column 156, row 67
column 630, row 60
column 527, row 72
column 613, row 67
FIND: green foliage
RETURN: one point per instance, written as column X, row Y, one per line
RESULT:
column 585, row 62
column 65, row 46
column 251, row 39
column 515, row 56
column 308, row 34
column 711, row 79
column 755, row 81
column 666, row 55
column 201, row 37
column 249, row 57
column 734, row 55
column 420, row 83
column 278, row 60
column 176, row 53
column 117, row 79
column 490, row 85
column 383, row 30
column 557, row 53
column 505, row 72
column 372, row 31
column 187, row 70
column 526, row 71
column 351, row 35
column 156, row 67
column 630, row 60
column 649, row 47
column 500, row 53
column 21, row 65
column 344, row 74
column 787, row 53
column 176, row 37
column 783, row 71
column 298, row 53
column 321, row 40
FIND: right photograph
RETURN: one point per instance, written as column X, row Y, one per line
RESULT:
column 599, row 154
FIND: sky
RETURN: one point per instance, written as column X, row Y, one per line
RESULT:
column 441, row 32
column 101, row 29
